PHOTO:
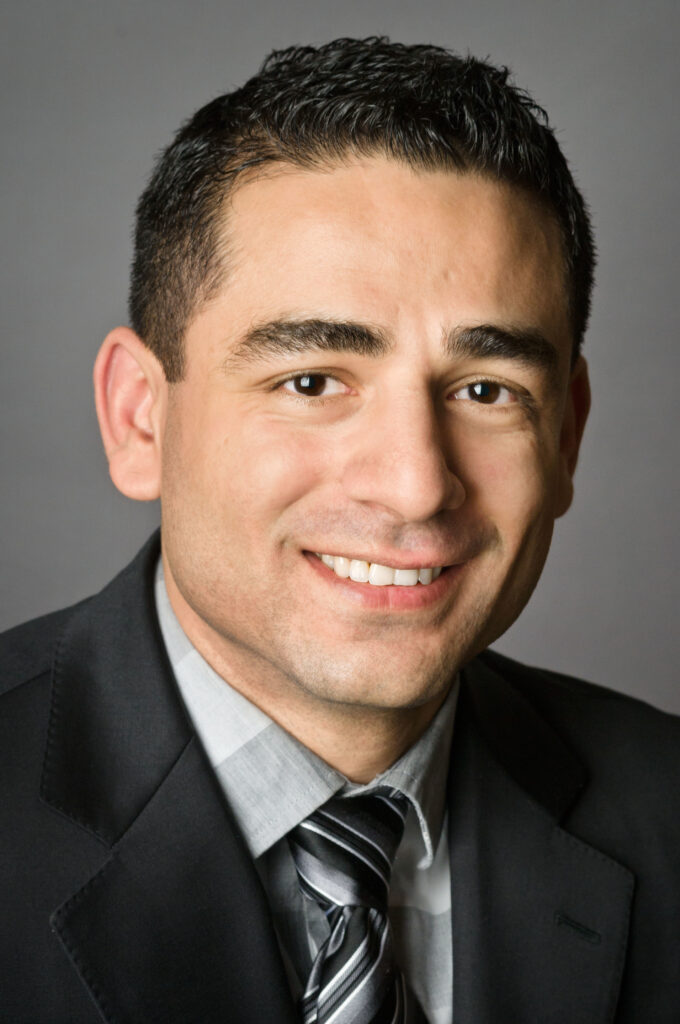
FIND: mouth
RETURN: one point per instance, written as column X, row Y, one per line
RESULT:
column 376, row 587
column 376, row 575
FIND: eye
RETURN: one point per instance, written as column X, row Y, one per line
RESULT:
column 485, row 392
column 313, row 385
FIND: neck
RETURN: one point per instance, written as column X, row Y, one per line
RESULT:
column 358, row 741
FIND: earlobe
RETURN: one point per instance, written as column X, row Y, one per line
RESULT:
column 573, row 424
column 129, row 386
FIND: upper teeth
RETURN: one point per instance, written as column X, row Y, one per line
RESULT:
column 378, row 575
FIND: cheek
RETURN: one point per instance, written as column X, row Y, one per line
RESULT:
column 511, row 480
column 261, row 471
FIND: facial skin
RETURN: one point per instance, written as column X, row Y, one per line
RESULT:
column 389, row 456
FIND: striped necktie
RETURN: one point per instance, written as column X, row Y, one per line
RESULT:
column 343, row 854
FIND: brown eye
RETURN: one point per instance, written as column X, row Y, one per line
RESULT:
column 311, row 384
column 485, row 392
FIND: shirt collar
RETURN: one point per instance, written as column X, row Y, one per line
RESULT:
column 271, row 781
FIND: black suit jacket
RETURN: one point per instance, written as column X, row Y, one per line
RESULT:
column 127, row 894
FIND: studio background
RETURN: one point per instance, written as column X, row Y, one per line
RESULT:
column 91, row 91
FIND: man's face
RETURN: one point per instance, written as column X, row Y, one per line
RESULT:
column 384, row 377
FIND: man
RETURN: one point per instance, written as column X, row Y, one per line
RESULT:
column 271, row 772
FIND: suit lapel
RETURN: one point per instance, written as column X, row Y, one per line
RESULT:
column 175, row 925
column 540, row 919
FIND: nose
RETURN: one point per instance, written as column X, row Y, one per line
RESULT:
column 402, row 459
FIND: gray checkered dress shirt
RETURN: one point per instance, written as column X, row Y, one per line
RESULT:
column 272, row 783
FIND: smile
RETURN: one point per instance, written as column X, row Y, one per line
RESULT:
column 379, row 575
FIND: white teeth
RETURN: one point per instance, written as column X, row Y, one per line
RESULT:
column 341, row 566
column 358, row 571
column 405, row 577
column 378, row 575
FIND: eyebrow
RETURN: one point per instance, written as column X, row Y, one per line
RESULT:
column 524, row 345
column 285, row 337
column 482, row 341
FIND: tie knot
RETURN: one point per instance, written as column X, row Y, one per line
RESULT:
column 344, row 851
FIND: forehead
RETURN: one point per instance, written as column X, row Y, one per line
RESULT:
column 376, row 240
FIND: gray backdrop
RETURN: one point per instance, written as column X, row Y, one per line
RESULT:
column 91, row 90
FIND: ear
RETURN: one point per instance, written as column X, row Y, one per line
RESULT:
column 576, row 412
column 130, row 394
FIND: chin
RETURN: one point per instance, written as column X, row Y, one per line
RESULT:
column 389, row 687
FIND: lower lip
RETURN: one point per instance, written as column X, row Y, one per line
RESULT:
column 389, row 598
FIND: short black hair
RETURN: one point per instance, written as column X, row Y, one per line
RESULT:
column 314, row 106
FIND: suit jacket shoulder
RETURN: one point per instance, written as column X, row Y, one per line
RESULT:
column 26, row 651
column 537, row 682
column 625, row 744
